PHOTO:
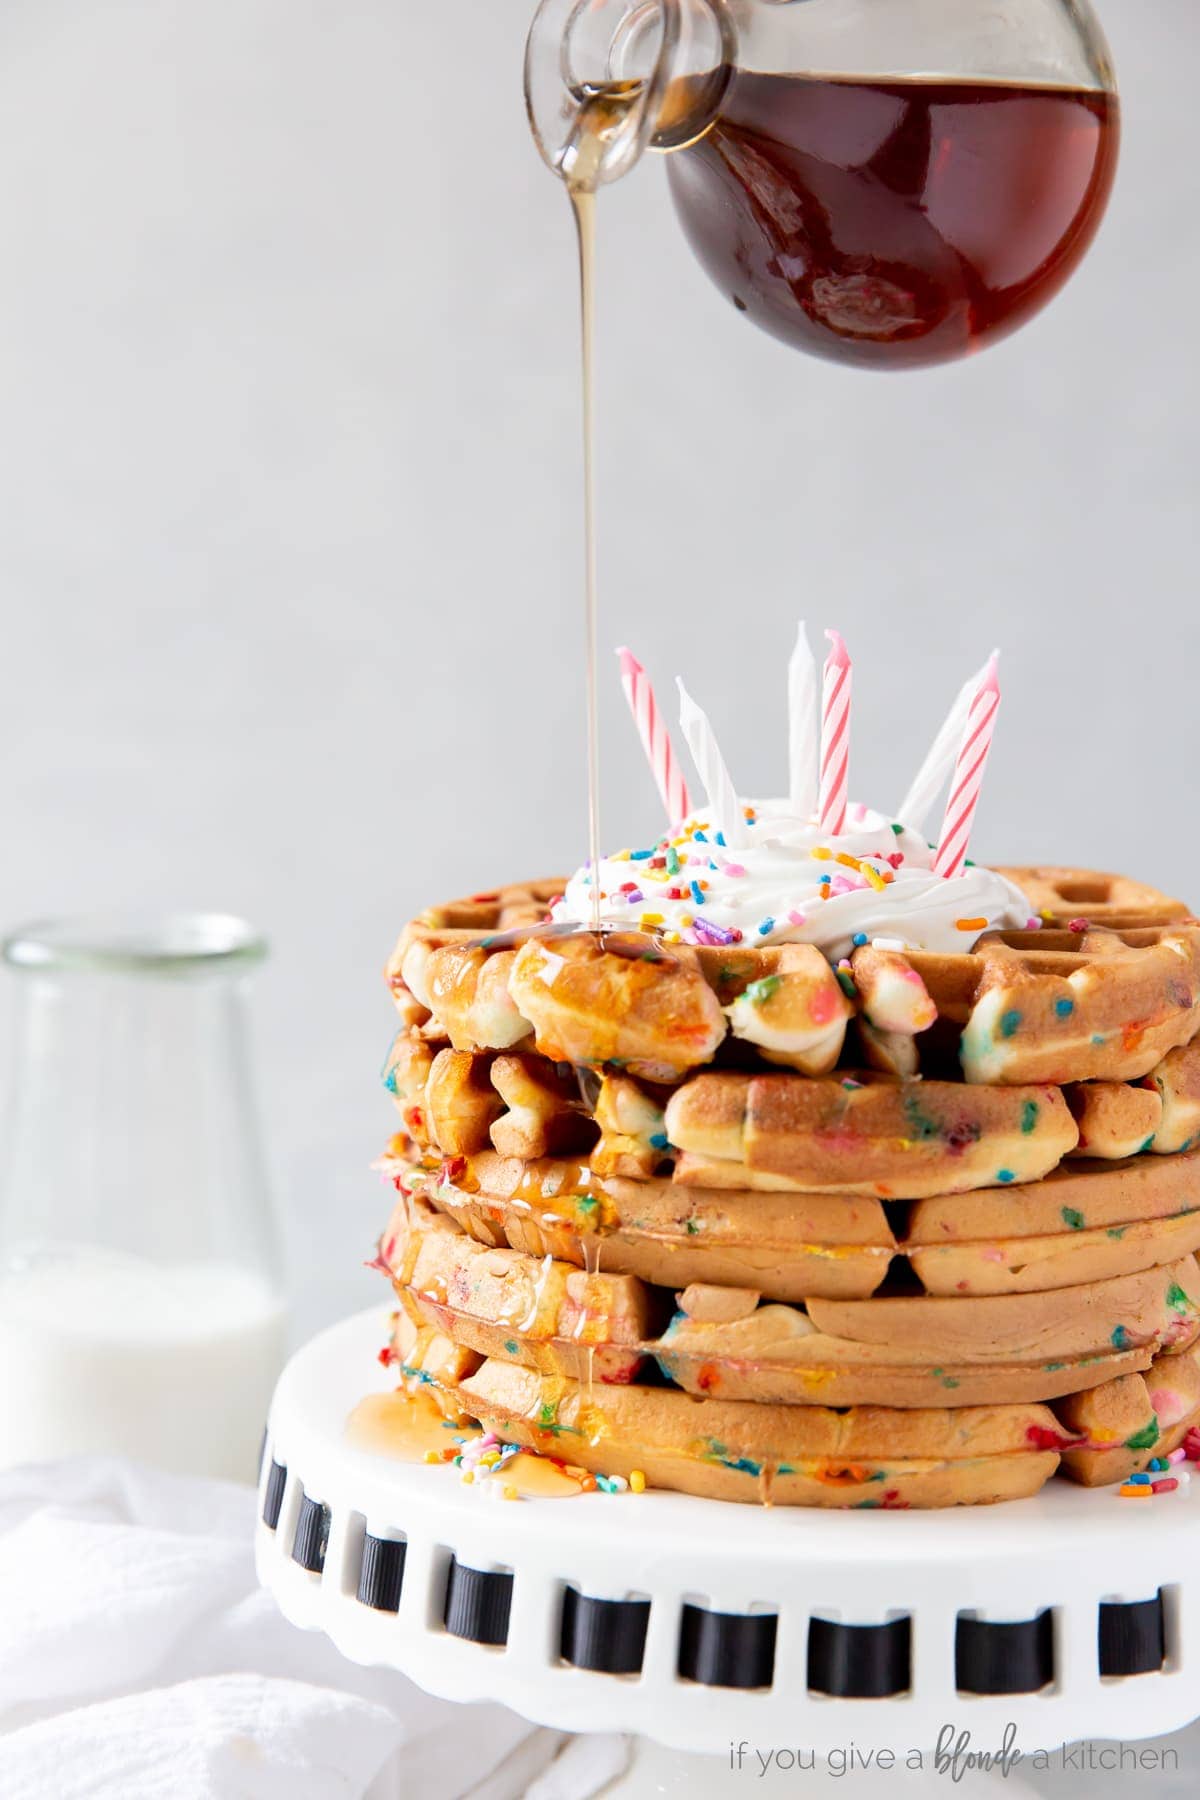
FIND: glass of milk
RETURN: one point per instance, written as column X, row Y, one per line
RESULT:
column 141, row 1307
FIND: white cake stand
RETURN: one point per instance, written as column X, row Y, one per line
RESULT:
column 699, row 1624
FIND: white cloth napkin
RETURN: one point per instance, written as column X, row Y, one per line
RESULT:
column 139, row 1660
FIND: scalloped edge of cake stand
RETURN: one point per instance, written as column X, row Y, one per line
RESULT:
column 701, row 1624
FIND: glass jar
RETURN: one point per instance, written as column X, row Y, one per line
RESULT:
column 141, row 1306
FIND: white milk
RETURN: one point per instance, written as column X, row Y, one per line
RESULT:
column 108, row 1353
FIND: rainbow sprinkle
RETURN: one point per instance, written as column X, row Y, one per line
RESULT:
column 715, row 934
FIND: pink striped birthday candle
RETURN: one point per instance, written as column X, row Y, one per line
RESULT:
column 967, row 779
column 656, row 739
column 835, row 738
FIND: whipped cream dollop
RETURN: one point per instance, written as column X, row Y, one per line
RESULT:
column 792, row 883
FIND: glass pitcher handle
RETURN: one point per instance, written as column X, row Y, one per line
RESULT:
column 606, row 79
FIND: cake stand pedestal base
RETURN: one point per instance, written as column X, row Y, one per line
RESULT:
column 705, row 1625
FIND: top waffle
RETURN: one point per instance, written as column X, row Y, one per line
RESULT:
column 1103, row 991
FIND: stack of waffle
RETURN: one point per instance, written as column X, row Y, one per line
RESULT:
column 919, row 1231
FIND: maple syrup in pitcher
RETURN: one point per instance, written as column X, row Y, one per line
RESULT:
column 895, row 223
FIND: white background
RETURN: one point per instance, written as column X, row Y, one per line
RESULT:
column 289, row 521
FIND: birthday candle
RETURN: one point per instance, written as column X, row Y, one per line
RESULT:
column 803, row 728
column 835, row 737
column 722, row 797
column 656, row 739
column 927, row 783
column 969, row 770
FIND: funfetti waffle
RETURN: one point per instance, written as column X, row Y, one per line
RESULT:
column 883, row 1198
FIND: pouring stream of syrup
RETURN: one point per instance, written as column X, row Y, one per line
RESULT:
column 601, row 113
column 583, row 205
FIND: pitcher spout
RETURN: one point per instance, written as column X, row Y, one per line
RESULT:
column 605, row 80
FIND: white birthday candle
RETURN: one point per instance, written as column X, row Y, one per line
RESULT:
column 804, row 731
column 934, row 772
column 723, row 803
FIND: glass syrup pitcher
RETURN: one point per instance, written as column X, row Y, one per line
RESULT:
column 886, row 183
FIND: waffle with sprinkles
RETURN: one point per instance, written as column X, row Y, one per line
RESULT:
column 907, row 1226
column 1068, row 998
